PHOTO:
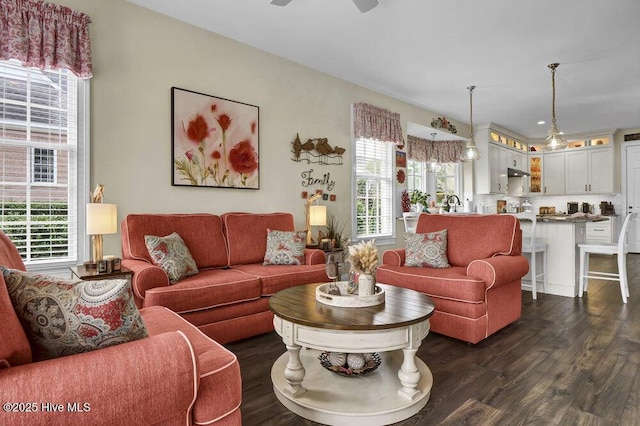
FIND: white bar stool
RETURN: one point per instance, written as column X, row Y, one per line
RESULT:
column 620, row 250
column 532, row 246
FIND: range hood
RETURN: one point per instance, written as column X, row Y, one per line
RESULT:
column 516, row 173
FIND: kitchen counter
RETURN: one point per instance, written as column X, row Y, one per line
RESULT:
column 563, row 260
column 574, row 218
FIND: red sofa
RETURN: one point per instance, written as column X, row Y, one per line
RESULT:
column 481, row 292
column 176, row 376
column 229, row 298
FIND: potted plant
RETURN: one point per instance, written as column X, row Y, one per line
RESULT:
column 420, row 200
column 335, row 231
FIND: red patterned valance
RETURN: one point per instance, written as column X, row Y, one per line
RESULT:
column 425, row 150
column 377, row 123
column 45, row 36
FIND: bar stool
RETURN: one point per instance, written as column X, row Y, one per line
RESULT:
column 620, row 250
column 410, row 221
column 531, row 246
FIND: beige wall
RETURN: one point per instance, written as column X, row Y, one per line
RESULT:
column 138, row 55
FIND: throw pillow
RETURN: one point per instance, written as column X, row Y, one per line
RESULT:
column 63, row 317
column 285, row 247
column 429, row 249
column 171, row 254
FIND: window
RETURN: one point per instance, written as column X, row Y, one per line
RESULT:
column 447, row 181
column 373, row 174
column 444, row 182
column 43, row 168
column 42, row 134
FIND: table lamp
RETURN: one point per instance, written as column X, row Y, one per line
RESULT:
column 316, row 216
column 101, row 219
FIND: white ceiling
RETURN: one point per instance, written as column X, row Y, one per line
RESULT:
column 427, row 52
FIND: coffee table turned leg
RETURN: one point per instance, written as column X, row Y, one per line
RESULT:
column 409, row 375
column 294, row 372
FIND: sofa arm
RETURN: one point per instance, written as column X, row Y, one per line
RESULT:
column 143, row 382
column 395, row 257
column 314, row 256
column 145, row 276
column 499, row 270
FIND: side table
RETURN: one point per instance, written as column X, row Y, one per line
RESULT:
column 88, row 274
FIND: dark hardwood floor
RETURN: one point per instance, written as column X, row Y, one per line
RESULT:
column 565, row 362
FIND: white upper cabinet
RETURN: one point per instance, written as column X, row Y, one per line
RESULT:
column 554, row 173
column 499, row 152
column 589, row 166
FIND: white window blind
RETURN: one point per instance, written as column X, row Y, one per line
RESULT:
column 373, row 170
column 38, row 162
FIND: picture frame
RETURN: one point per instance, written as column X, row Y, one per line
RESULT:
column 214, row 141
column 401, row 159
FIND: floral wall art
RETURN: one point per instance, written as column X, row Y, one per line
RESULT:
column 215, row 141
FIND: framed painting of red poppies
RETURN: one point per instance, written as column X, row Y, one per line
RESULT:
column 215, row 141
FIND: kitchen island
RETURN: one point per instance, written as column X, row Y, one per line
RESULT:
column 562, row 233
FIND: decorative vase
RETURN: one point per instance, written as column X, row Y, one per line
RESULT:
column 352, row 286
column 366, row 284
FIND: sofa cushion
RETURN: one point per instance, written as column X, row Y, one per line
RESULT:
column 285, row 247
column 208, row 289
column 63, row 317
column 220, row 388
column 427, row 250
column 451, row 283
column 172, row 255
column 274, row 278
column 247, row 234
column 471, row 237
column 202, row 233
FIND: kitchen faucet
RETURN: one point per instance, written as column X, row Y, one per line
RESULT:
column 448, row 204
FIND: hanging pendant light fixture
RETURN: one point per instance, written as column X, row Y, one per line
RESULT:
column 554, row 140
column 433, row 162
column 470, row 151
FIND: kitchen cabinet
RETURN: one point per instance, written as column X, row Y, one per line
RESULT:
column 497, row 148
column 498, row 169
column 603, row 232
column 589, row 170
column 535, row 171
column 554, row 173
column 517, row 160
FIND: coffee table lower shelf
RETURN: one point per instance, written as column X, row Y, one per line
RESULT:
column 365, row 400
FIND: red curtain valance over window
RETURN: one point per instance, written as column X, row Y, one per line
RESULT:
column 371, row 122
column 45, row 36
column 424, row 150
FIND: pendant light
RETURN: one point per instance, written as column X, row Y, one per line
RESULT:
column 433, row 162
column 554, row 141
column 470, row 151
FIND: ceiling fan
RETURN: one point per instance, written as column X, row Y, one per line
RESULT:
column 363, row 5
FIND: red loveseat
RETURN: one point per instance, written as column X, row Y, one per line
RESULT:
column 176, row 376
column 481, row 292
column 228, row 299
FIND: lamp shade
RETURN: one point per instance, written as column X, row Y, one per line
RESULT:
column 317, row 215
column 102, row 219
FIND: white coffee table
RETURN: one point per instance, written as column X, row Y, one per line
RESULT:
column 397, row 390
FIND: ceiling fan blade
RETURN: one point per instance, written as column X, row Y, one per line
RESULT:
column 365, row 5
column 280, row 2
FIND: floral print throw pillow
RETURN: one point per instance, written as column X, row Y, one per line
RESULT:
column 171, row 254
column 64, row 317
column 427, row 250
column 285, row 247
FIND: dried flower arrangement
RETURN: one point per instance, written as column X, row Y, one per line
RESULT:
column 406, row 201
column 363, row 257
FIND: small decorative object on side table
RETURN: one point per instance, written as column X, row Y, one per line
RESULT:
column 88, row 274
